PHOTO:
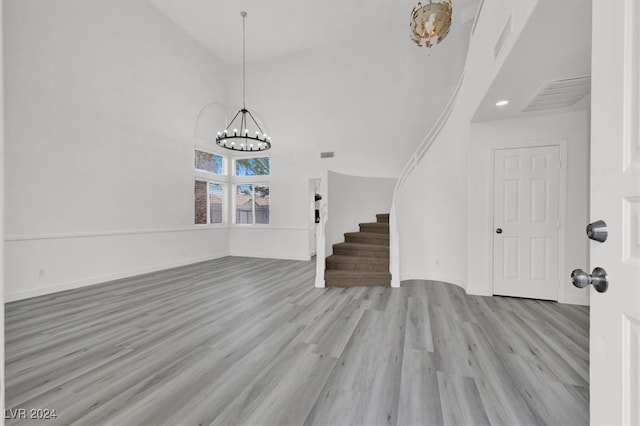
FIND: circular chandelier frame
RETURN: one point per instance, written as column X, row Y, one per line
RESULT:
column 237, row 136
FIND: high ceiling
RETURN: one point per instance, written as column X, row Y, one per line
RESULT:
column 554, row 45
column 287, row 26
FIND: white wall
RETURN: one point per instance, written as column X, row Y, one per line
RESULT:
column 101, row 99
column 371, row 110
column 571, row 129
column 432, row 206
column 353, row 200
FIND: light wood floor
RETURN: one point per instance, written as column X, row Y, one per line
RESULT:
column 250, row 341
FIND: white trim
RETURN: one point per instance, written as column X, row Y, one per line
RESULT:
column 320, row 229
column 562, row 214
column 582, row 299
column 267, row 226
column 202, row 227
column 417, row 277
column 100, row 279
column 35, row 237
column 261, row 255
column 211, row 177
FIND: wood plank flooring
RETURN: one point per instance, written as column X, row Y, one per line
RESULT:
column 239, row 341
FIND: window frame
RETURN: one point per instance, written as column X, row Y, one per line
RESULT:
column 254, row 180
column 234, row 160
column 253, row 202
column 225, row 168
column 224, row 198
column 215, row 178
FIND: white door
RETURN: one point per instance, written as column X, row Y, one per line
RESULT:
column 526, row 212
column 615, row 198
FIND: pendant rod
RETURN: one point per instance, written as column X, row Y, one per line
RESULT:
column 244, row 73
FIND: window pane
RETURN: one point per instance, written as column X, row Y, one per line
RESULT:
column 262, row 204
column 253, row 166
column 215, row 203
column 244, row 199
column 200, row 192
column 208, row 162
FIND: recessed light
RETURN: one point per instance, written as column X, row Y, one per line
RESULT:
column 502, row 103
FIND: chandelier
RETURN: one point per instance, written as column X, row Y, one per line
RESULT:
column 243, row 132
column 430, row 22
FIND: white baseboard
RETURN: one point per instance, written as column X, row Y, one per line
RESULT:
column 281, row 256
column 408, row 277
column 576, row 300
column 41, row 291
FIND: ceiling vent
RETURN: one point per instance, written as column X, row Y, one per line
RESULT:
column 559, row 94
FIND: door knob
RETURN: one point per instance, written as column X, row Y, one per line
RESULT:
column 598, row 278
column 499, row 231
column 597, row 231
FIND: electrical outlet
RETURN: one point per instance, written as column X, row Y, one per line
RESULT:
column 185, row 251
column 42, row 272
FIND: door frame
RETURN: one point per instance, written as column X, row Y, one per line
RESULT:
column 563, row 194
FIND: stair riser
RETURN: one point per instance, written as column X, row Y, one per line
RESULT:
column 382, row 254
column 344, row 282
column 382, row 218
column 374, row 229
column 358, row 265
column 381, row 241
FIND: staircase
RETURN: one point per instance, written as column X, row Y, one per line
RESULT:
column 363, row 259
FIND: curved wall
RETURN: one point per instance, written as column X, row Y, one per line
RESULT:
column 432, row 207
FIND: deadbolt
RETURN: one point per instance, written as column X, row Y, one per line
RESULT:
column 597, row 231
column 597, row 278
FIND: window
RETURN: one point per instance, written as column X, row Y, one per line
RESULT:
column 209, row 188
column 208, row 162
column 209, row 202
column 253, row 166
column 212, row 189
column 252, row 204
column 251, row 190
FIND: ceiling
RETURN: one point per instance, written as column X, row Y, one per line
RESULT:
column 554, row 45
column 279, row 27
